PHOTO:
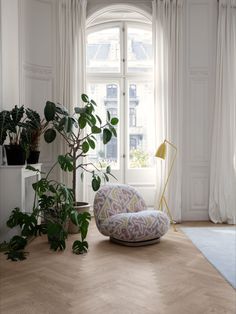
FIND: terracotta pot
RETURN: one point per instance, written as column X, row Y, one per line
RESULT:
column 81, row 207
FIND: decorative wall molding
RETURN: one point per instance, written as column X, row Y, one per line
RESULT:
column 198, row 119
column 36, row 69
column 200, row 38
column 37, row 31
column 198, row 72
column 199, row 193
column 37, row 35
column 198, row 35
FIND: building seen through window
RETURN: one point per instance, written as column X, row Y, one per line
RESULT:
column 119, row 72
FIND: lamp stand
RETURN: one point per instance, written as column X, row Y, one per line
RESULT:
column 163, row 199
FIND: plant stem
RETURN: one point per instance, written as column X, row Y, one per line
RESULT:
column 53, row 166
column 74, row 174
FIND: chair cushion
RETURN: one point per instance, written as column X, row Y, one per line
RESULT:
column 113, row 199
column 137, row 226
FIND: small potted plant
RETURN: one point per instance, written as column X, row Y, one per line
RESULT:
column 78, row 130
column 10, row 126
column 23, row 127
column 34, row 127
column 50, row 215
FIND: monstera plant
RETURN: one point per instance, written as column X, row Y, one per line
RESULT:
column 50, row 215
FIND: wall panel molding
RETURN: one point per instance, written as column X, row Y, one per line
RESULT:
column 198, row 35
column 36, row 69
column 200, row 38
column 198, row 119
column 37, row 34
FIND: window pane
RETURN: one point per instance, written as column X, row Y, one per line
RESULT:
column 141, row 125
column 106, row 95
column 139, row 50
column 103, row 51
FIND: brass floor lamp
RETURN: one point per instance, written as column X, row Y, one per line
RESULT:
column 161, row 153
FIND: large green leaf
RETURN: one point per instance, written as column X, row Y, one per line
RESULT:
column 34, row 120
column 96, row 182
column 108, row 169
column 62, row 110
column 91, row 118
column 29, row 225
column 49, row 111
column 84, row 219
column 108, row 116
column 4, row 122
column 113, row 130
column 15, row 218
column 56, row 236
column 29, row 167
column 79, row 110
column 17, row 114
column 85, row 147
column 50, row 135
column 114, row 121
column 82, row 121
column 99, row 119
column 41, row 186
column 106, row 177
column 96, row 129
column 107, row 135
column 85, row 98
column 66, row 162
column 93, row 102
column 91, row 143
column 61, row 124
column 16, row 255
column 69, row 124
column 80, row 247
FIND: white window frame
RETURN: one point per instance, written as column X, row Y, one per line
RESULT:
column 124, row 78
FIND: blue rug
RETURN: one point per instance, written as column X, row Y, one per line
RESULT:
column 218, row 245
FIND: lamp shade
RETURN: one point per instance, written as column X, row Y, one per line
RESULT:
column 161, row 151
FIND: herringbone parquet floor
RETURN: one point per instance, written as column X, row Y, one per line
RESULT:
column 171, row 277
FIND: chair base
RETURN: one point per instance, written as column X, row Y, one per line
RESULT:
column 136, row 243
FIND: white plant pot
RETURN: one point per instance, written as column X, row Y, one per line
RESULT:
column 81, row 207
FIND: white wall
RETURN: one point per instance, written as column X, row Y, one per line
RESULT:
column 9, row 54
column 35, row 64
column 38, row 60
column 199, row 81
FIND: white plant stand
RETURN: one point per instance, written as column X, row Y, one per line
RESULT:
column 15, row 191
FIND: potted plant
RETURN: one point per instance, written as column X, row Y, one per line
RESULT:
column 78, row 130
column 34, row 127
column 10, row 126
column 23, row 127
column 50, row 215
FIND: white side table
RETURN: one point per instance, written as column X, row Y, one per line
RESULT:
column 15, row 191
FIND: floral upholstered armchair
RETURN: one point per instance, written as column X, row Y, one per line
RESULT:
column 121, row 213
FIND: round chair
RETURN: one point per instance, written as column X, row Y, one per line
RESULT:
column 121, row 213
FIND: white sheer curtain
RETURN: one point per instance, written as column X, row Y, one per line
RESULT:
column 71, row 61
column 222, row 202
column 71, row 57
column 167, row 34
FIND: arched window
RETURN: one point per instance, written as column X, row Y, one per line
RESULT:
column 119, row 78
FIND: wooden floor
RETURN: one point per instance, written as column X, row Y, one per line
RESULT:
column 165, row 278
